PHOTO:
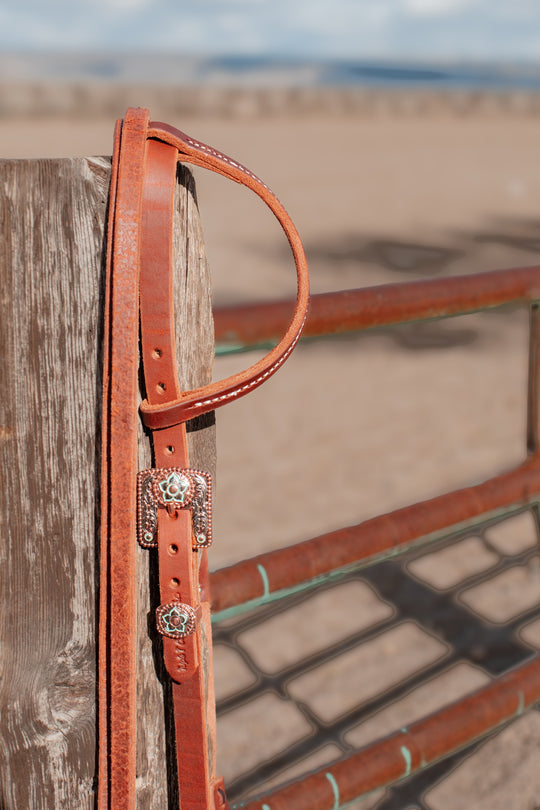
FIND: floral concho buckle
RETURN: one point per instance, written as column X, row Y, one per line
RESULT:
column 174, row 488
column 176, row 620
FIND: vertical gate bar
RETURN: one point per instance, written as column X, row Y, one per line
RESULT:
column 533, row 394
column 533, row 386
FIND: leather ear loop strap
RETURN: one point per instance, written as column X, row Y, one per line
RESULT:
column 194, row 403
column 178, row 561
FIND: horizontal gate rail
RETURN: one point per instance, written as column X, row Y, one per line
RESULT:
column 423, row 743
column 244, row 327
column 275, row 574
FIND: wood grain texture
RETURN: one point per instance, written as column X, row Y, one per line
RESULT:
column 52, row 215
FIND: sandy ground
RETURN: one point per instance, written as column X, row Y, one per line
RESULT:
column 359, row 425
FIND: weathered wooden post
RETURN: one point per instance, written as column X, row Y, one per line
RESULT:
column 51, row 293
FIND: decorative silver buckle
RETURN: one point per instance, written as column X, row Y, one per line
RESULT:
column 176, row 620
column 174, row 488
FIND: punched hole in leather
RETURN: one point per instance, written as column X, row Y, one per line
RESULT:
column 173, row 508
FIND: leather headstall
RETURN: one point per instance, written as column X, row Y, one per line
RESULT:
column 168, row 507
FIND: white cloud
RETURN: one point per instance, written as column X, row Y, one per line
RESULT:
column 126, row 5
column 305, row 28
column 434, row 8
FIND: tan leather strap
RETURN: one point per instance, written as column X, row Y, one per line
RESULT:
column 175, row 499
column 117, row 615
column 178, row 560
column 177, row 577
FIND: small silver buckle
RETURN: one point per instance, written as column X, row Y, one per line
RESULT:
column 174, row 488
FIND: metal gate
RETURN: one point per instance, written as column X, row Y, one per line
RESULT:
column 281, row 579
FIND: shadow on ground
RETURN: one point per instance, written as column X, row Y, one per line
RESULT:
column 331, row 670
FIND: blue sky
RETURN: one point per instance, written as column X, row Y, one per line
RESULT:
column 505, row 30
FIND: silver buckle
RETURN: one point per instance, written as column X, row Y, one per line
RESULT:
column 174, row 488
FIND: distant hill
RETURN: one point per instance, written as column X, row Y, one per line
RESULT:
column 262, row 71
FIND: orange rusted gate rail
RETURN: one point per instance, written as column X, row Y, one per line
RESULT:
column 276, row 574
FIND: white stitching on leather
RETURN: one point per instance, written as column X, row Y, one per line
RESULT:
column 256, row 381
column 221, row 156
column 253, row 383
